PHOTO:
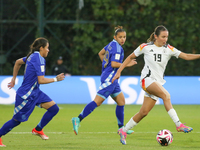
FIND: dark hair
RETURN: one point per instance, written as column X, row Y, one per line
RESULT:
column 119, row 29
column 157, row 31
column 35, row 46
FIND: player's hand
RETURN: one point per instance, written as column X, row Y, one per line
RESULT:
column 117, row 75
column 60, row 77
column 132, row 62
column 11, row 84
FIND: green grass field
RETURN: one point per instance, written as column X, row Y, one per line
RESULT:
column 99, row 130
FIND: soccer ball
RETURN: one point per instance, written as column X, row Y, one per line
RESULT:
column 164, row 137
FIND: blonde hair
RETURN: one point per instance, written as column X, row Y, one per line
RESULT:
column 157, row 31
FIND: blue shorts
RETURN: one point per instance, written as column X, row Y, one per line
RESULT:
column 24, row 107
column 109, row 89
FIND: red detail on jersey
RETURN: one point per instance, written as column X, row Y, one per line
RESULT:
column 143, row 84
column 142, row 46
column 170, row 47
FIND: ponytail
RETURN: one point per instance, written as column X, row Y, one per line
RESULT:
column 35, row 46
column 157, row 31
column 151, row 38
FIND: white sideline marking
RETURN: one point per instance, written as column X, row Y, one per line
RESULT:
column 85, row 132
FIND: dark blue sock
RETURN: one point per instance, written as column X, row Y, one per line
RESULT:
column 8, row 126
column 50, row 113
column 87, row 110
column 120, row 115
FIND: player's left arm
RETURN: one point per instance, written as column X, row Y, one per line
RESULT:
column 43, row 80
column 186, row 56
column 115, row 64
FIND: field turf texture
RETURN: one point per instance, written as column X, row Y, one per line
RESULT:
column 99, row 130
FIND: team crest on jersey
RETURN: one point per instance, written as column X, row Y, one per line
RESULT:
column 164, row 50
column 109, row 47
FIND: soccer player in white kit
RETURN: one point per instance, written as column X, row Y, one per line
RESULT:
column 156, row 56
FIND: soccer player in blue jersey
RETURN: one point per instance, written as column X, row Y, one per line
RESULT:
column 111, row 56
column 29, row 95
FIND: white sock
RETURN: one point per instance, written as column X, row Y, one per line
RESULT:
column 129, row 125
column 172, row 113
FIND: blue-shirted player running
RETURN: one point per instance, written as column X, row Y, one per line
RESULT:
column 29, row 95
column 111, row 56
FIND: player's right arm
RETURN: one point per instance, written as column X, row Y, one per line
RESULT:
column 16, row 68
column 127, row 61
column 101, row 54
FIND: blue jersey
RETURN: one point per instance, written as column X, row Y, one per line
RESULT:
column 35, row 66
column 114, row 52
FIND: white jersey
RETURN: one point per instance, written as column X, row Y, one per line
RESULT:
column 156, row 59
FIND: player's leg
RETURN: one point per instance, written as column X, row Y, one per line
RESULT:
column 147, row 105
column 90, row 107
column 118, row 97
column 119, row 111
column 7, row 127
column 158, row 90
column 22, row 108
column 86, row 111
column 52, row 108
column 104, row 91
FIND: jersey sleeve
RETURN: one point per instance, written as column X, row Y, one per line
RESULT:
column 24, row 59
column 174, row 52
column 106, row 47
column 39, row 65
column 139, row 50
column 116, row 52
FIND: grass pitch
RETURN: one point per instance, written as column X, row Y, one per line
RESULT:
column 99, row 130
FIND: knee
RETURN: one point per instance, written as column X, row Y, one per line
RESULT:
column 54, row 109
column 98, row 102
column 15, row 122
column 166, row 97
column 121, row 103
column 143, row 113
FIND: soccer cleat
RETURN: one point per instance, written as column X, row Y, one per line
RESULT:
column 1, row 144
column 76, row 124
column 129, row 131
column 183, row 128
column 122, row 136
column 40, row 134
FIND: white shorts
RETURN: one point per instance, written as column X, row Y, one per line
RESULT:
column 144, row 83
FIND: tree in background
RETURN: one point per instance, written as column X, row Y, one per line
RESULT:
column 79, row 34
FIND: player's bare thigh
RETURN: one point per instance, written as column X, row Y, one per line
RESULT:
column 158, row 90
column 47, row 105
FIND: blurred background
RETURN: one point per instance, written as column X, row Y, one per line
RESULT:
column 78, row 29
